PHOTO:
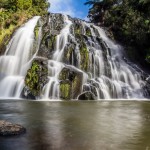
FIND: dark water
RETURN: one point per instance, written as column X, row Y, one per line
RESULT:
column 120, row 125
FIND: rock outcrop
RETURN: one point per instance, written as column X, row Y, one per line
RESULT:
column 9, row 129
column 78, row 61
column 35, row 79
column 87, row 96
column 70, row 83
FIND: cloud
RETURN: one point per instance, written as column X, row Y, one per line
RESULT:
column 62, row 6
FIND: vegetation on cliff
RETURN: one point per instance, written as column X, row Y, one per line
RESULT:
column 13, row 13
column 129, row 21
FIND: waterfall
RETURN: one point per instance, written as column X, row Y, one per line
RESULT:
column 80, row 59
column 16, row 60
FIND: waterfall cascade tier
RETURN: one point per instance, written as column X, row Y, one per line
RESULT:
column 67, row 59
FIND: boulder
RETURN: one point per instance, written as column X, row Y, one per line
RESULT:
column 70, row 83
column 36, row 79
column 87, row 96
column 8, row 128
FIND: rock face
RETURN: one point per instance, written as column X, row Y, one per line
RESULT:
column 49, row 32
column 70, row 83
column 8, row 129
column 87, row 96
column 76, row 59
column 35, row 79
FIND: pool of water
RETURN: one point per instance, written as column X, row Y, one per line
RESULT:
column 76, row 125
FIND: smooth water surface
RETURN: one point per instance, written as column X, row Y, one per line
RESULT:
column 107, row 125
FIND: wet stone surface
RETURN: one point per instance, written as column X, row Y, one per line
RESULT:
column 9, row 129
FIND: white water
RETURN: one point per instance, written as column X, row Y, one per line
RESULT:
column 108, row 74
column 15, row 62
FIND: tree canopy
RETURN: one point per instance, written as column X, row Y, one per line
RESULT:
column 14, row 13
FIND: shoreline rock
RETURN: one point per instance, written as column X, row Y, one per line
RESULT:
column 87, row 96
column 10, row 129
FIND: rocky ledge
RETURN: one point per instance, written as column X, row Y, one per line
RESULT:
column 8, row 128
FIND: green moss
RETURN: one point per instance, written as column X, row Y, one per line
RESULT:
column 88, row 32
column 65, row 89
column 36, row 31
column 77, row 29
column 32, row 79
column 70, row 83
column 68, row 54
column 52, row 41
column 84, row 56
column 36, row 77
column 75, row 82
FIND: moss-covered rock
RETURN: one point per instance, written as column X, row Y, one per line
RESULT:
column 47, row 45
column 36, row 78
column 56, row 22
column 88, row 32
column 77, row 29
column 36, row 30
column 70, row 83
column 84, row 53
column 65, row 90
column 70, row 56
column 50, row 42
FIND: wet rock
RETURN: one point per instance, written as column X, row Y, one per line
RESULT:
column 87, row 96
column 36, row 30
column 65, row 90
column 84, row 53
column 36, row 78
column 27, row 94
column 147, row 87
column 78, row 29
column 70, row 56
column 88, row 31
column 8, row 128
column 90, row 88
column 47, row 46
column 50, row 30
column 70, row 83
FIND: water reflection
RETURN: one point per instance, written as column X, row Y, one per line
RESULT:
column 78, row 125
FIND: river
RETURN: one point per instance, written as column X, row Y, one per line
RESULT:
column 78, row 125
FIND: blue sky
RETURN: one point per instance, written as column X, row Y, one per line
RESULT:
column 74, row 8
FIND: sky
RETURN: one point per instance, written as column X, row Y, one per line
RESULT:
column 74, row 8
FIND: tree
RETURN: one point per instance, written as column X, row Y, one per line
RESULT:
column 129, row 20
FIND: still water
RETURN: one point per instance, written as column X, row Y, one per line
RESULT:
column 107, row 125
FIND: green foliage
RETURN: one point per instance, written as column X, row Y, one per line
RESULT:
column 36, row 31
column 32, row 78
column 84, row 56
column 14, row 13
column 88, row 32
column 65, row 90
column 129, row 21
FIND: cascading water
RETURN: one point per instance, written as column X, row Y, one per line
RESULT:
column 16, row 60
column 81, row 60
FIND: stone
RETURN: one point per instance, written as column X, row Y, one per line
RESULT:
column 36, row 79
column 8, row 128
column 87, row 96
column 70, row 83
